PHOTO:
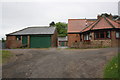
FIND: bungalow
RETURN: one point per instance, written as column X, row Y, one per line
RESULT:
column 85, row 33
column 33, row 37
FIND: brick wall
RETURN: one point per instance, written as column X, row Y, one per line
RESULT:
column 73, row 38
column 54, row 39
column 113, row 42
column 12, row 42
column 92, row 44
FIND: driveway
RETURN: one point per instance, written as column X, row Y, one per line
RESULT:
column 57, row 63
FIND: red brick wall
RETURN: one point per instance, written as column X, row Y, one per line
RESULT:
column 54, row 39
column 114, row 39
column 113, row 42
column 12, row 42
column 72, row 38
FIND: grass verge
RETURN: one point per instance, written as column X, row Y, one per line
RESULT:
column 112, row 69
column 90, row 47
column 4, row 56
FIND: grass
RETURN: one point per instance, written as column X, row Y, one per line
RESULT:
column 112, row 69
column 4, row 56
column 89, row 47
column 29, row 48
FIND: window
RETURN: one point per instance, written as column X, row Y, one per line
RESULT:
column 86, row 36
column 102, row 35
column 108, row 34
column 117, row 34
column 96, row 35
column 18, row 38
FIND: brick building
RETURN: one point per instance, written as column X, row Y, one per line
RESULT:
column 62, row 41
column 33, row 37
column 101, row 32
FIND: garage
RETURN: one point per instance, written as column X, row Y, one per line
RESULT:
column 40, row 41
column 33, row 37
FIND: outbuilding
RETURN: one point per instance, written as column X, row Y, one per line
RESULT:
column 62, row 41
column 33, row 37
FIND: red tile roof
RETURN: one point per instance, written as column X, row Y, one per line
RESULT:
column 77, row 25
column 102, row 23
column 115, row 24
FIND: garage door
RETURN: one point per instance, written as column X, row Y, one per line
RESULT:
column 41, row 41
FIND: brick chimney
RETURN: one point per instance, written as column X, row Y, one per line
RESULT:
column 110, row 16
column 98, row 16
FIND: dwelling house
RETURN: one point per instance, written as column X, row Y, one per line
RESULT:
column 75, row 27
column 33, row 37
column 103, row 32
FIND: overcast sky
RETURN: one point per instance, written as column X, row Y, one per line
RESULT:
column 18, row 15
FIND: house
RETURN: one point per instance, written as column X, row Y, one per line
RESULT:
column 33, row 37
column 62, row 41
column 85, row 33
column 75, row 27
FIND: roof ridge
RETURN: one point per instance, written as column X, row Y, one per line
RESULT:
column 109, row 22
column 90, row 25
column 38, row 27
column 77, row 19
column 96, row 22
column 17, row 31
column 29, row 28
column 82, row 19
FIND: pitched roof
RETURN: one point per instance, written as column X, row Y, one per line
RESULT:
column 34, row 30
column 77, row 25
column 62, row 38
column 102, row 23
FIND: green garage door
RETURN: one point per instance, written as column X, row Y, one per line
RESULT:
column 41, row 41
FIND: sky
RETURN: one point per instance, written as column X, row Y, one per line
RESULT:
column 19, row 14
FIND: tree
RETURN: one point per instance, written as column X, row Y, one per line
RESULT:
column 52, row 24
column 105, row 14
column 61, row 29
column 3, row 40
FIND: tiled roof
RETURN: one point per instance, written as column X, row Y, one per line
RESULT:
column 34, row 30
column 102, row 23
column 77, row 25
column 115, row 24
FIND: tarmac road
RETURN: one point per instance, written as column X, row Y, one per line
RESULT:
column 57, row 63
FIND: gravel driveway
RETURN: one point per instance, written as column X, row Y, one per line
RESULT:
column 57, row 63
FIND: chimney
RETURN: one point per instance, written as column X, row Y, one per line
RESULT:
column 98, row 16
column 86, row 24
column 110, row 16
